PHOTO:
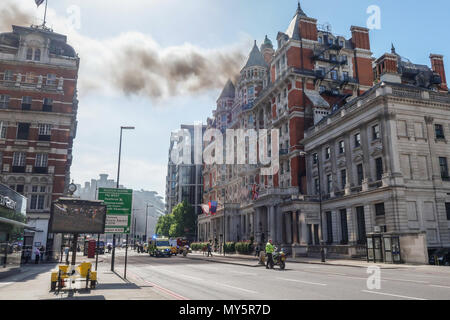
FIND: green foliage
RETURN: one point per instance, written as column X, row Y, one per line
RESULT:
column 244, row 247
column 180, row 223
column 230, row 247
column 198, row 246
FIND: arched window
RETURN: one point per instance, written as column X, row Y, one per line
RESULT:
column 29, row 54
column 37, row 55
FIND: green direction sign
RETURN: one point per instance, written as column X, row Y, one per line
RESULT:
column 118, row 203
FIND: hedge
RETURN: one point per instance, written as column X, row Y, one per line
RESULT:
column 244, row 247
column 198, row 246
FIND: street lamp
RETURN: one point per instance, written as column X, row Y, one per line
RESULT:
column 146, row 219
column 117, row 186
column 322, row 251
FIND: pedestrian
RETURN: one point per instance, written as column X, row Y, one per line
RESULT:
column 209, row 249
column 42, row 252
column 257, row 250
column 204, row 247
column 37, row 254
column 269, row 252
column 27, row 255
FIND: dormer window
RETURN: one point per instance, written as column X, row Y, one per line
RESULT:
column 320, row 39
column 37, row 55
column 29, row 54
column 330, row 41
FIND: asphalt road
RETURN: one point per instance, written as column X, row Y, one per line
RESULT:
column 185, row 278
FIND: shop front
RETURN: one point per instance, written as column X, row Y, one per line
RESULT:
column 12, row 227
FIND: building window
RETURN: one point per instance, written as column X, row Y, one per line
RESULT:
column 345, row 75
column 439, row 130
column 343, row 178
column 320, row 39
column 47, row 105
column 341, row 147
column 37, row 201
column 19, row 162
column 8, row 75
column 327, row 153
column 447, row 210
column 444, row 168
column 51, row 79
column 379, row 209
column 333, row 57
column 314, row 158
column 329, row 183
column 360, row 173
column 44, row 131
column 29, row 77
column 357, row 140
column 329, row 227
column 375, row 132
column 29, row 54
column 41, row 160
column 23, row 131
column 316, row 186
column 3, row 129
column 37, row 55
column 333, row 75
column 379, row 168
column 344, row 226
column 4, row 101
column 26, row 103
column 361, row 225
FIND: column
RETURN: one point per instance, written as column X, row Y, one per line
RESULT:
column 256, row 225
column 295, row 224
column 304, row 228
column 289, row 227
column 271, row 221
column 279, row 226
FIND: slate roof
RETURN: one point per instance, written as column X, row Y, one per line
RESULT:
column 255, row 58
column 228, row 91
column 293, row 30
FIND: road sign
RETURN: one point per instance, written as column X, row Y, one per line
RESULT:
column 118, row 203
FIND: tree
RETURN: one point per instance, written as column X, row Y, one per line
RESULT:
column 163, row 225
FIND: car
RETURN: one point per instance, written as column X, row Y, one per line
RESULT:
column 440, row 257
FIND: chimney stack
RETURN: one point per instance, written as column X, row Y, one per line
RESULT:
column 437, row 64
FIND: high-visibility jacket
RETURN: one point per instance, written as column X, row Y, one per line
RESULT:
column 269, row 248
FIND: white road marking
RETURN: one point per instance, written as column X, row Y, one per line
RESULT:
column 393, row 295
column 306, row 282
column 415, row 281
column 437, row 286
column 183, row 276
column 237, row 288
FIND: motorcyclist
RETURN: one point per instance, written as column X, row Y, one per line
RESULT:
column 269, row 251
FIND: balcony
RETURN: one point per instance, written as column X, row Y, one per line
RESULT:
column 18, row 169
column 40, row 170
column 47, row 108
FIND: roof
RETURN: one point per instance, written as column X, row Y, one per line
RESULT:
column 293, row 31
column 228, row 91
column 255, row 58
column 316, row 99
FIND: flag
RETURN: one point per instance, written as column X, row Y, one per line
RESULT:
column 205, row 208
column 212, row 207
column 38, row 2
column 255, row 190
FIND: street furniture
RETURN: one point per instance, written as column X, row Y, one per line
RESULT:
column 65, row 276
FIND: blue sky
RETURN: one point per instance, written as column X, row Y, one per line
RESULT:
column 417, row 28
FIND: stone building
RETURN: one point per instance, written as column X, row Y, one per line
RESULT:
column 311, row 73
column 381, row 161
column 38, row 109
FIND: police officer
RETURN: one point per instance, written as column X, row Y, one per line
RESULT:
column 269, row 252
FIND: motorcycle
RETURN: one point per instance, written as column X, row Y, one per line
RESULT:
column 185, row 250
column 279, row 258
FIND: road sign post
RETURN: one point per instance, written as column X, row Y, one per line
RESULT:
column 118, row 217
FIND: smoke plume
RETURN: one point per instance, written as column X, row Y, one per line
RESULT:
column 11, row 13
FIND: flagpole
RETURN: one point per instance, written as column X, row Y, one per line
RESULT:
column 45, row 13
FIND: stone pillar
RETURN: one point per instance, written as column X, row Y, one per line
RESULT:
column 271, row 222
column 289, row 227
column 256, row 225
column 295, row 224
column 279, row 226
column 304, row 228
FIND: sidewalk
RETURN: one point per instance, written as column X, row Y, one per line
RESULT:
column 33, row 283
column 252, row 261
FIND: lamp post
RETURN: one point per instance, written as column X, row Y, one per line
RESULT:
column 322, row 250
column 117, row 186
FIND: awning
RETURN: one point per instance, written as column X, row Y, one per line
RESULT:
column 19, row 224
column 316, row 99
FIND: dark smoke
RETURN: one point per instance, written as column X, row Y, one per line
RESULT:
column 11, row 14
column 185, row 70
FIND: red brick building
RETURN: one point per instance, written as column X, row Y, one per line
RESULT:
column 38, row 108
column 311, row 73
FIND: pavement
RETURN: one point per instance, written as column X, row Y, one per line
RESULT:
column 252, row 261
column 33, row 283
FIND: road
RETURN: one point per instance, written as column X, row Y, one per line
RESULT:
column 186, row 278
